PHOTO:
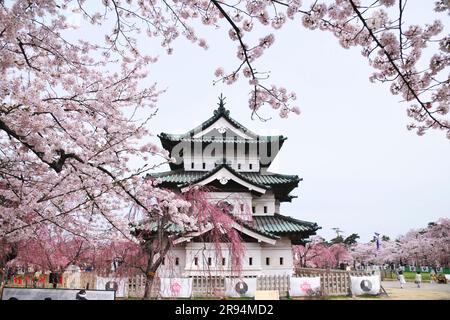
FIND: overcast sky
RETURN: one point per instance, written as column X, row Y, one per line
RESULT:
column 362, row 170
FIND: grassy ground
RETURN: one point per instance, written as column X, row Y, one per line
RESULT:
column 410, row 276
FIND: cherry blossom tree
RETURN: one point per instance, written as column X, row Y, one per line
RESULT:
column 318, row 254
column 68, row 132
column 8, row 252
column 340, row 254
column 426, row 246
column 154, row 238
column 201, row 218
column 65, row 138
column 51, row 249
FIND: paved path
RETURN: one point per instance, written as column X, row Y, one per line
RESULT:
column 427, row 291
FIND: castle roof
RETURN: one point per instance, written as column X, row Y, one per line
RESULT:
column 281, row 184
column 271, row 227
column 199, row 134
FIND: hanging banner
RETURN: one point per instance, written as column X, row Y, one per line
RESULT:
column 304, row 286
column 176, row 287
column 365, row 285
column 245, row 287
column 119, row 285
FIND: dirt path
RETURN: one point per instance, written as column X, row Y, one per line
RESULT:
column 411, row 292
column 407, row 294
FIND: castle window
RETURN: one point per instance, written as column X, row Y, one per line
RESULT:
column 253, row 209
column 250, row 166
column 250, row 261
column 281, row 261
column 204, row 165
column 177, row 261
column 267, row 261
column 196, row 261
column 163, row 261
column 239, row 166
column 209, row 261
column 242, row 207
column 265, row 209
column 223, row 261
column 192, row 165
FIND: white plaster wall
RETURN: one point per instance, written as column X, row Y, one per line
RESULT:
column 266, row 200
column 237, row 199
column 282, row 249
column 169, row 269
column 207, row 250
column 248, row 201
column 257, row 251
column 240, row 163
column 237, row 159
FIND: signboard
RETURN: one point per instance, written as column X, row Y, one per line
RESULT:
column 120, row 285
column 365, row 285
column 56, row 294
column 304, row 286
column 176, row 287
column 267, row 295
column 245, row 287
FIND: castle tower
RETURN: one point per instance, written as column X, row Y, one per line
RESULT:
column 233, row 162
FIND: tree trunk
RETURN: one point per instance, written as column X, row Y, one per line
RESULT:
column 149, row 277
column 3, row 278
column 152, row 265
column 149, row 280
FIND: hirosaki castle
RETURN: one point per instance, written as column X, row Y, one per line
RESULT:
column 233, row 163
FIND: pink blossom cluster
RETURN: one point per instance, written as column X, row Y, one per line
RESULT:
column 318, row 254
column 393, row 48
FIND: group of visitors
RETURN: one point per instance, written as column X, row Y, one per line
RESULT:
column 417, row 279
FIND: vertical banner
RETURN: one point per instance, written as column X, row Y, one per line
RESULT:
column 365, row 285
column 304, row 286
column 235, row 287
column 176, row 287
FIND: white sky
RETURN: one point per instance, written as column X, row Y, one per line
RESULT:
column 363, row 171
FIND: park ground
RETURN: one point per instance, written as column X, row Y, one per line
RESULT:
column 427, row 291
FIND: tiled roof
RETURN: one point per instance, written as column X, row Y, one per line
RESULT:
column 279, row 224
column 270, row 226
column 182, row 178
column 221, row 111
column 218, row 113
column 208, row 139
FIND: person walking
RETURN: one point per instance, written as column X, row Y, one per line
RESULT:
column 432, row 275
column 418, row 279
column 401, row 278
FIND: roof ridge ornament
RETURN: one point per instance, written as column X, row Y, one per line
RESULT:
column 221, row 110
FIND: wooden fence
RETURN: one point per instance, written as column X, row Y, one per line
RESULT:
column 136, row 286
column 279, row 282
column 332, row 282
column 212, row 286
